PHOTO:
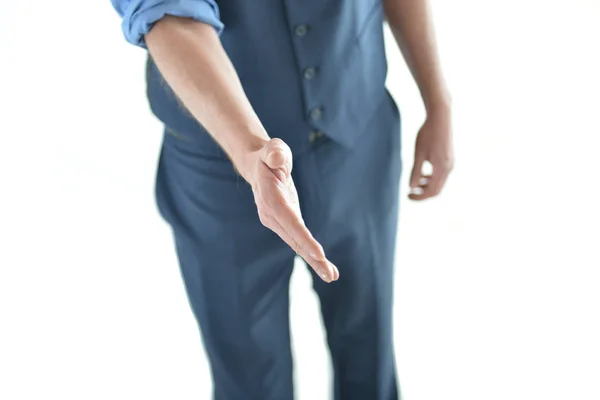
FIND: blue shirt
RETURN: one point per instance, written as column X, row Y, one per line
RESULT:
column 308, row 67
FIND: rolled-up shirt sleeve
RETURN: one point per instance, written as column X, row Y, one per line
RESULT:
column 139, row 15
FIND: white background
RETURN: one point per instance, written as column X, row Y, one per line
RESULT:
column 498, row 284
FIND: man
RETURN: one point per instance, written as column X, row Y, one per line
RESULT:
column 242, row 88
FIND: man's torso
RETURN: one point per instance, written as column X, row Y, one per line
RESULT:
column 306, row 67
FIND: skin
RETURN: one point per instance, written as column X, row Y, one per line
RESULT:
column 411, row 24
column 195, row 65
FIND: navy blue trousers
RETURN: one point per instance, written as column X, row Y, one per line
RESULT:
column 237, row 272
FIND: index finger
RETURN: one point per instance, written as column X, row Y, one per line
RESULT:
column 327, row 271
column 293, row 224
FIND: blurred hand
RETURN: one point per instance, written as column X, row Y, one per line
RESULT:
column 268, row 170
column 434, row 145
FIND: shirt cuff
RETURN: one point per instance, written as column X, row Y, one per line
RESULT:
column 142, row 14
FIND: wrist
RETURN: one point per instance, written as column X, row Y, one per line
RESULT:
column 438, row 104
column 244, row 151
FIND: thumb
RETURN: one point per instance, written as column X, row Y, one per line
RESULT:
column 277, row 155
column 417, row 171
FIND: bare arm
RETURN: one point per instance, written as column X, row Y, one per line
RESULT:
column 410, row 21
column 192, row 60
column 190, row 57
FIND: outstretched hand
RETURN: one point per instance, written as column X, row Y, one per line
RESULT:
column 269, row 172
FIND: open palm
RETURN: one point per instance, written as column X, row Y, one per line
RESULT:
column 279, row 209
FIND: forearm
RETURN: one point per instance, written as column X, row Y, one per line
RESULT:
column 190, row 57
column 411, row 24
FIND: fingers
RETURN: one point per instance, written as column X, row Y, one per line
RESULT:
column 278, row 209
column 277, row 155
column 282, row 214
column 294, row 226
column 323, row 267
column 304, row 243
column 417, row 171
column 427, row 186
